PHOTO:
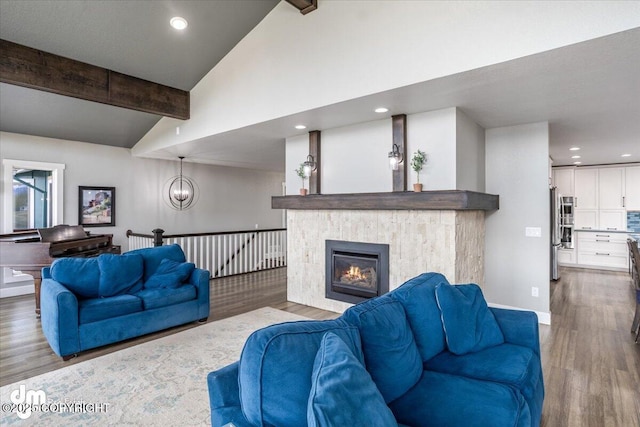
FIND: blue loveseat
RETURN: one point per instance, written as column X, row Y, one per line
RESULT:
column 91, row 302
column 426, row 354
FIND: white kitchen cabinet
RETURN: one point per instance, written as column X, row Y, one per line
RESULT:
column 586, row 219
column 563, row 180
column 586, row 188
column 566, row 256
column 632, row 188
column 611, row 188
column 612, row 220
column 603, row 250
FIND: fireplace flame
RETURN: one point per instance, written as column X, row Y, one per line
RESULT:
column 354, row 273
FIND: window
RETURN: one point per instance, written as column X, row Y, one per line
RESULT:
column 31, row 201
column 32, row 194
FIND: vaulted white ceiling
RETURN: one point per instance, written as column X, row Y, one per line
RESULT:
column 131, row 37
column 589, row 92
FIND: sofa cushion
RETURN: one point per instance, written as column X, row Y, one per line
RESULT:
column 468, row 323
column 275, row 369
column 154, row 256
column 342, row 391
column 418, row 297
column 162, row 297
column 119, row 274
column 509, row 364
column 170, row 274
column 80, row 275
column 455, row 401
column 390, row 352
column 94, row 309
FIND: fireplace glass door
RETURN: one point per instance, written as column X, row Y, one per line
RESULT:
column 355, row 275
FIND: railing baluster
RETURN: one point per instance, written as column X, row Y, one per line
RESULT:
column 226, row 253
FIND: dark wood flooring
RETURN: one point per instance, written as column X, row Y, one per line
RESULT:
column 591, row 365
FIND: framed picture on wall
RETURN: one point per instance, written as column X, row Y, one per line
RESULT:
column 96, row 206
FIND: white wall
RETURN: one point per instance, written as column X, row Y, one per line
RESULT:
column 355, row 158
column 296, row 151
column 516, row 169
column 230, row 198
column 470, row 154
column 291, row 63
column 433, row 132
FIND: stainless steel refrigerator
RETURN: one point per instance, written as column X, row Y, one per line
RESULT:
column 555, row 232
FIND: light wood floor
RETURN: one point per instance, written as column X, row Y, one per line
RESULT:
column 591, row 365
column 590, row 362
column 24, row 351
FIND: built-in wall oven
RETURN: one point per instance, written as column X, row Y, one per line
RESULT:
column 562, row 210
column 566, row 221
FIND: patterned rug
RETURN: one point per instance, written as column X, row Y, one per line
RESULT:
column 161, row 382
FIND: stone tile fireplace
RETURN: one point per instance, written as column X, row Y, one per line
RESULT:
column 425, row 236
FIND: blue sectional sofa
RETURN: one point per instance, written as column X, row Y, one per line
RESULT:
column 91, row 302
column 426, row 354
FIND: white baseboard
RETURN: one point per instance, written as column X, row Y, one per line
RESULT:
column 15, row 291
column 543, row 317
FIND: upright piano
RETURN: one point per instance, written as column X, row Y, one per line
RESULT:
column 29, row 251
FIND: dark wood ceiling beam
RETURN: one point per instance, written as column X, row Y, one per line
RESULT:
column 304, row 6
column 315, row 179
column 24, row 66
column 399, row 132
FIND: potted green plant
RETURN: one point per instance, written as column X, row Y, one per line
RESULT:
column 417, row 163
column 303, row 177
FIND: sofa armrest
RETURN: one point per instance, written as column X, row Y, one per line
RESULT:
column 59, row 317
column 200, row 279
column 519, row 327
column 224, row 397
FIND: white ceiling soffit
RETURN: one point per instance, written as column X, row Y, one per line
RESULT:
column 589, row 93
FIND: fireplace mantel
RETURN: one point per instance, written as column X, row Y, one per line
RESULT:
column 457, row 200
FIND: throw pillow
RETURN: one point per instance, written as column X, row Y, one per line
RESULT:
column 120, row 274
column 80, row 275
column 170, row 274
column 342, row 391
column 469, row 325
column 390, row 351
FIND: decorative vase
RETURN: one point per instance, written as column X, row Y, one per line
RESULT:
column 417, row 187
column 303, row 191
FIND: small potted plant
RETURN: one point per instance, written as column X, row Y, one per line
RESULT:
column 303, row 177
column 417, row 163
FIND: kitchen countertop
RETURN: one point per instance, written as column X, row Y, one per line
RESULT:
column 604, row 231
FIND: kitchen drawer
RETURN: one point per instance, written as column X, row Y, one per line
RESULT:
column 602, row 259
column 602, row 236
column 604, row 246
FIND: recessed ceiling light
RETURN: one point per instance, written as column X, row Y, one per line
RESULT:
column 381, row 110
column 575, row 157
column 577, row 163
column 574, row 148
column 301, row 127
column 178, row 23
column 626, row 155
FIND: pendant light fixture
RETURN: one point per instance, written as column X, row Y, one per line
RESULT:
column 181, row 191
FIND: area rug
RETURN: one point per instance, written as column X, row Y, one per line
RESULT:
column 161, row 382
